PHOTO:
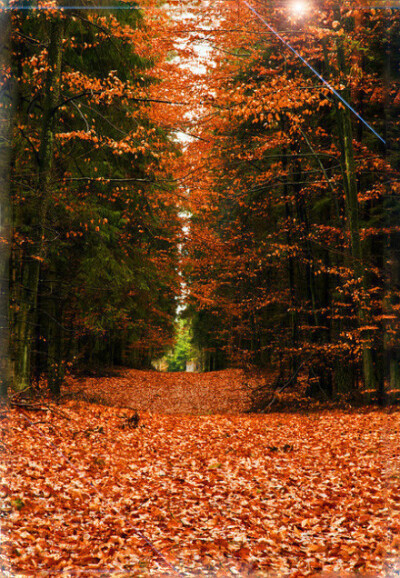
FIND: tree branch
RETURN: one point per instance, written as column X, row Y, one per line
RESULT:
column 26, row 137
column 82, row 115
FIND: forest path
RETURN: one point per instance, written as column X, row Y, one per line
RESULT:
column 217, row 392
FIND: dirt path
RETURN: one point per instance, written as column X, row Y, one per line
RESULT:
column 218, row 392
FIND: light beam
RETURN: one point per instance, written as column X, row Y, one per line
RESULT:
column 317, row 74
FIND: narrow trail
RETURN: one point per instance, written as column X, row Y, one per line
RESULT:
column 217, row 392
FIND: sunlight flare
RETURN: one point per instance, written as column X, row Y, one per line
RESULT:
column 299, row 8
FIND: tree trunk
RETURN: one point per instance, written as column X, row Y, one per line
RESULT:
column 372, row 375
column 26, row 318
column 5, row 135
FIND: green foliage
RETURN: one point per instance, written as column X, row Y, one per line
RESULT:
column 17, row 503
column 183, row 350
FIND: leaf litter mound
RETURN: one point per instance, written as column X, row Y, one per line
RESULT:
column 215, row 495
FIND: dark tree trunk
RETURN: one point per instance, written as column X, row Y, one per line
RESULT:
column 27, row 315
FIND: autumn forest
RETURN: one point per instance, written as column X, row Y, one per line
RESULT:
column 200, row 288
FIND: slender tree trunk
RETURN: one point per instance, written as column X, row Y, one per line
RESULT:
column 294, row 325
column 5, row 216
column 55, row 360
column 351, row 208
column 28, row 308
column 371, row 371
column 392, row 261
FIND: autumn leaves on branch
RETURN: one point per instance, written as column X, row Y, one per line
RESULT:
column 292, row 254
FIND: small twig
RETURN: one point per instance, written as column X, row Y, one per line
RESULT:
column 82, row 115
column 18, row 393
column 27, row 406
column 288, row 382
column 29, row 38
column 26, row 137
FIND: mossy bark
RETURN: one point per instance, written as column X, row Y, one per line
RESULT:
column 372, row 368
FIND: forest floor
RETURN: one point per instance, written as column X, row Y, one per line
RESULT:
column 215, row 494
column 216, row 392
column 227, row 391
